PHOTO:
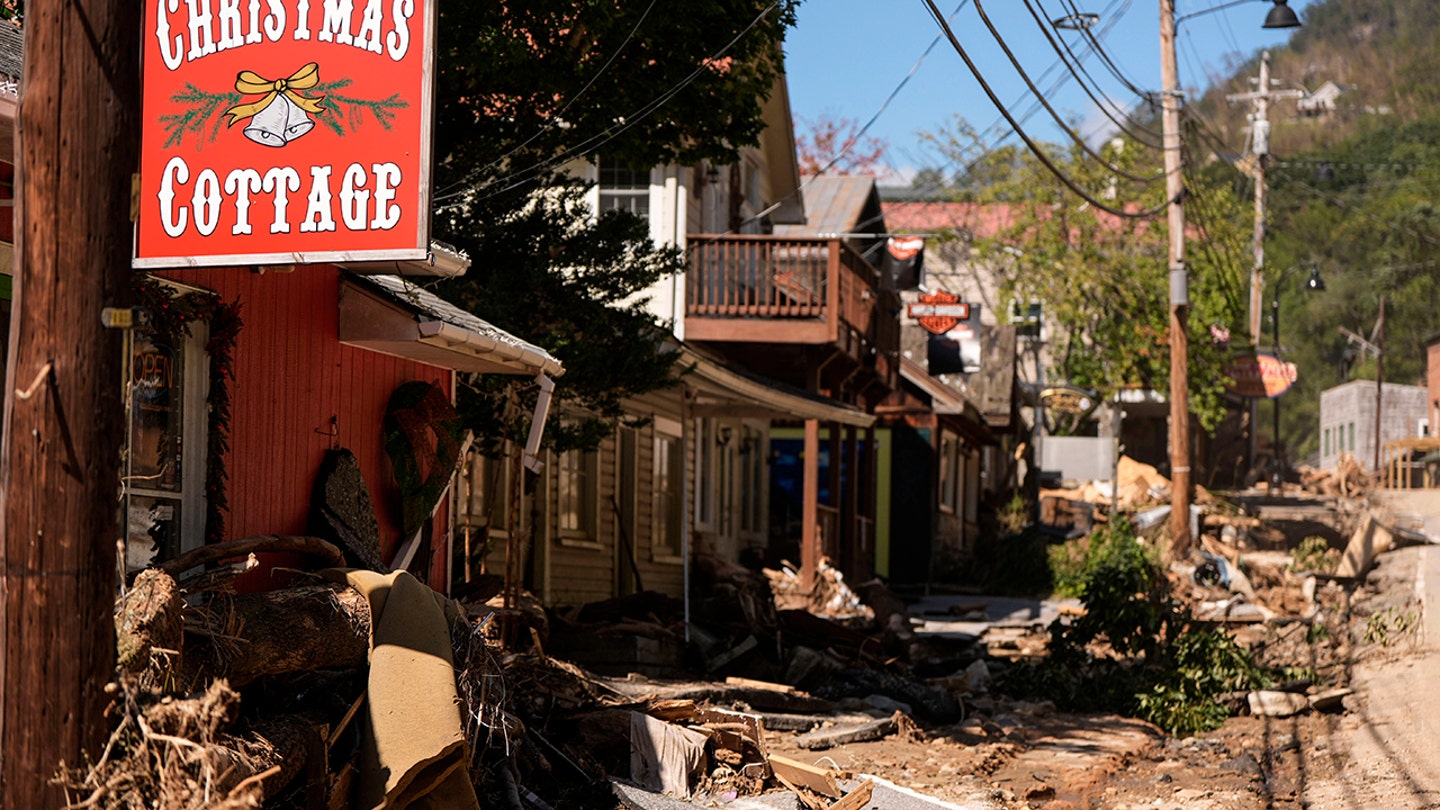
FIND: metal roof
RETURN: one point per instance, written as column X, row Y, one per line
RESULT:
column 838, row 204
column 466, row 333
column 12, row 51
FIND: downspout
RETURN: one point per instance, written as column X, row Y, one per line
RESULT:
column 537, row 423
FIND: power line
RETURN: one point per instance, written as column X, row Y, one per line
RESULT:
column 1059, row 121
column 1030, row 143
column 610, row 133
column 559, row 116
column 1079, row 64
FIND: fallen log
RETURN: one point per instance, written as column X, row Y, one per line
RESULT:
column 326, row 554
column 147, row 618
column 290, row 630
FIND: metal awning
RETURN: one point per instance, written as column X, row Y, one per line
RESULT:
column 393, row 316
column 443, row 261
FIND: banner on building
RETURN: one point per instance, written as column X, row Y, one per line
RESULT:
column 287, row 132
column 904, row 261
column 956, row 350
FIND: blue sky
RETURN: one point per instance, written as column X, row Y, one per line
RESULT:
column 846, row 56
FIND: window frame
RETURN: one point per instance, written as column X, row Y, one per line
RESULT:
column 634, row 193
column 582, row 467
column 194, row 389
column 667, row 498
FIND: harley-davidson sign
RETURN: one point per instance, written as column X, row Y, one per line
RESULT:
column 939, row 312
column 287, row 131
column 1260, row 376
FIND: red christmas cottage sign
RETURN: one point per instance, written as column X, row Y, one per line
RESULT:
column 285, row 131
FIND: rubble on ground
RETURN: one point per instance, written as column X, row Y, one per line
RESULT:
column 242, row 700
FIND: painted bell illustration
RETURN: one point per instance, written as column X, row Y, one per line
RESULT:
column 267, row 127
column 283, row 113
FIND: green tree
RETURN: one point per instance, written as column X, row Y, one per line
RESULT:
column 1103, row 278
column 526, row 91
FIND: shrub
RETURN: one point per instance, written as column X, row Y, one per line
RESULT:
column 1159, row 666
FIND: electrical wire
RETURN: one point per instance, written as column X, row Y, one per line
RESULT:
column 886, row 104
column 560, row 115
column 1059, row 120
column 1104, row 56
column 522, row 176
column 1066, row 55
column 1029, row 142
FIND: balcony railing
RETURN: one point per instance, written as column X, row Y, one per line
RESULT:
column 820, row 281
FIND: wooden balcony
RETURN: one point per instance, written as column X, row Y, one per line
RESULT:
column 796, row 292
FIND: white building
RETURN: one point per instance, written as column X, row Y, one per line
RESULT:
column 1347, row 419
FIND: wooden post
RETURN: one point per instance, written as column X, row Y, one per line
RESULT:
column 810, row 506
column 834, row 547
column 78, row 145
column 854, row 564
column 1179, row 292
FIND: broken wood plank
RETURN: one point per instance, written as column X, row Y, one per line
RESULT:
column 754, row 684
column 807, row 722
column 857, row 798
column 821, row 739
column 796, row 773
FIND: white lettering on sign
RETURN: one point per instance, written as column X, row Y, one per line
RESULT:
column 208, row 30
column 917, row 310
column 210, row 199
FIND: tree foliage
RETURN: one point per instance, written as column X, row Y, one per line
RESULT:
column 829, row 144
column 521, row 83
column 524, row 92
column 1103, row 279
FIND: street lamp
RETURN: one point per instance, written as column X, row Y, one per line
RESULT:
column 1179, row 279
column 1315, row 284
column 1281, row 16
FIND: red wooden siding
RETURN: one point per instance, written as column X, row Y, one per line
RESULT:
column 292, row 376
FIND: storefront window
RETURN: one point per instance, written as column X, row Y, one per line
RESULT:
column 163, row 483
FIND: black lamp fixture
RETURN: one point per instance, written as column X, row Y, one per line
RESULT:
column 1281, row 16
column 1315, row 282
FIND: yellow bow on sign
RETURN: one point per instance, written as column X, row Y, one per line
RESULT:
column 250, row 83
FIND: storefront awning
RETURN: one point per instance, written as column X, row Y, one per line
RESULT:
column 391, row 315
column 725, row 391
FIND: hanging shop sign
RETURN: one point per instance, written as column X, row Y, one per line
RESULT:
column 904, row 261
column 292, row 131
column 1259, row 376
column 955, row 348
column 938, row 312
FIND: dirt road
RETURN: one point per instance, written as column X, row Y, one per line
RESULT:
column 1392, row 734
column 1383, row 751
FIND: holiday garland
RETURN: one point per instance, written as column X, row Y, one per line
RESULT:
column 171, row 315
column 205, row 111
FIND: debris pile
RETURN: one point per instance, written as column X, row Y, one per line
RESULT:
column 829, row 596
column 1348, row 480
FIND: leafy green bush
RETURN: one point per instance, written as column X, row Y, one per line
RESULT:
column 1158, row 666
column 1314, row 554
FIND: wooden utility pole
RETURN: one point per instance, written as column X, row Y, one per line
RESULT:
column 77, row 146
column 1260, row 150
column 1179, row 289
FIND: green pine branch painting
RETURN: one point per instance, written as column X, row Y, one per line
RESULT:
column 204, row 112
